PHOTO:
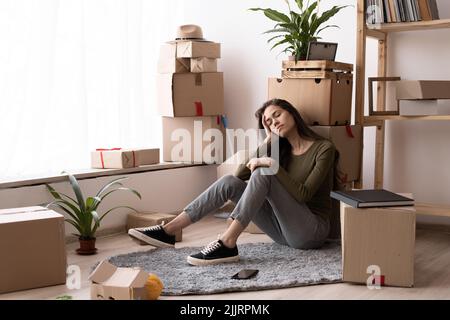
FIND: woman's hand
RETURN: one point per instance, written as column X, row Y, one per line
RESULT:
column 267, row 129
column 259, row 162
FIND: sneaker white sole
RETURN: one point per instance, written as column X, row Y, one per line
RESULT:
column 201, row 262
column 156, row 243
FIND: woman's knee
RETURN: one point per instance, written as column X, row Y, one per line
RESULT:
column 261, row 173
column 230, row 180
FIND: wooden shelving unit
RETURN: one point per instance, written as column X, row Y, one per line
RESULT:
column 381, row 32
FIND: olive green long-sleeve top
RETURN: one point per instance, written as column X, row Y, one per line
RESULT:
column 308, row 177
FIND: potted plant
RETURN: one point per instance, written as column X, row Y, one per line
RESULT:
column 297, row 29
column 83, row 213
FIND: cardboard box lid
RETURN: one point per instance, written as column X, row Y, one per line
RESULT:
column 109, row 275
column 15, row 215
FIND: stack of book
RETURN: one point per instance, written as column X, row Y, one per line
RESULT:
column 387, row 11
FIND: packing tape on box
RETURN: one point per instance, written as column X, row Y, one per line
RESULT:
column 224, row 121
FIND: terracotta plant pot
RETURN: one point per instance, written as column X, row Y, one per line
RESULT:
column 87, row 246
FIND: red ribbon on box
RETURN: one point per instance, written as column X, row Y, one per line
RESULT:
column 112, row 149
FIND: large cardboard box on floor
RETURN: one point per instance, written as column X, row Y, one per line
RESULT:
column 190, row 94
column 193, row 139
column 147, row 219
column 122, row 158
column 112, row 283
column 191, row 49
column 422, row 89
column 348, row 141
column 326, row 102
column 32, row 249
column 380, row 240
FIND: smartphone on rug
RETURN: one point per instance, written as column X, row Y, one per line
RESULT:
column 245, row 274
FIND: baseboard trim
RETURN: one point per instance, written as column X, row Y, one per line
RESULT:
column 433, row 227
column 101, row 233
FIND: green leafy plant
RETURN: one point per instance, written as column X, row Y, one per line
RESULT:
column 83, row 214
column 297, row 29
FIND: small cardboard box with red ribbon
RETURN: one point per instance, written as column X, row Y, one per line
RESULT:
column 118, row 158
column 190, row 94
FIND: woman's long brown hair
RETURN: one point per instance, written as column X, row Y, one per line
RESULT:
column 303, row 130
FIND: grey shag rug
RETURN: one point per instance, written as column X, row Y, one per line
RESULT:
column 279, row 267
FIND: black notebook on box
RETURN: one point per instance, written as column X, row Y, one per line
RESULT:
column 371, row 198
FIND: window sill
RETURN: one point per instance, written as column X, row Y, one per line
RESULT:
column 94, row 173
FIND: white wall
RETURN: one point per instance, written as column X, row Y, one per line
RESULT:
column 417, row 154
column 246, row 60
column 161, row 191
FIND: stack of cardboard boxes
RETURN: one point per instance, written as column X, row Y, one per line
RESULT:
column 190, row 98
column 322, row 92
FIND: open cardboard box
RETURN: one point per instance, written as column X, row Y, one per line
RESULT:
column 112, row 283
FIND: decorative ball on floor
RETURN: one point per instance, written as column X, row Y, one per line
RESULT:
column 154, row 287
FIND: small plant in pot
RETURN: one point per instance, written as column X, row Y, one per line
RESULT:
column 83, row 213
column 297, row 28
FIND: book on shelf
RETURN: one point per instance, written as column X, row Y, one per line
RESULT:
column 391, row 11
column 369, row 198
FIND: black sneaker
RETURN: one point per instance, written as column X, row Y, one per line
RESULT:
column 214, row 253
column 155, row 236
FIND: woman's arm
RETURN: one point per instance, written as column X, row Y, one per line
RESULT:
column 303, row 192
column 243, row 172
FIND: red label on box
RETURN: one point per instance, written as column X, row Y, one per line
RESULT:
column 198, row 108
column 378, row 280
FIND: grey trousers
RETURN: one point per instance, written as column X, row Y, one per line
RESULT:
column 265, row 202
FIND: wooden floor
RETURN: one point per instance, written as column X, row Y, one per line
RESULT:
column 432, row 270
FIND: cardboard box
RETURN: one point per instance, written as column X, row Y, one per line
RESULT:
column 189, row 139
column 422, row 89
column 335, row 215
column 326, row 102
column 418, row 107
column 381, row 237
column 203, row 65
column 147, row 219
column 196, row 49
column 169, row 63
column 112, row 283
column 122, row 158
column 190, row 94
column 32, row 249
column 348, row 141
